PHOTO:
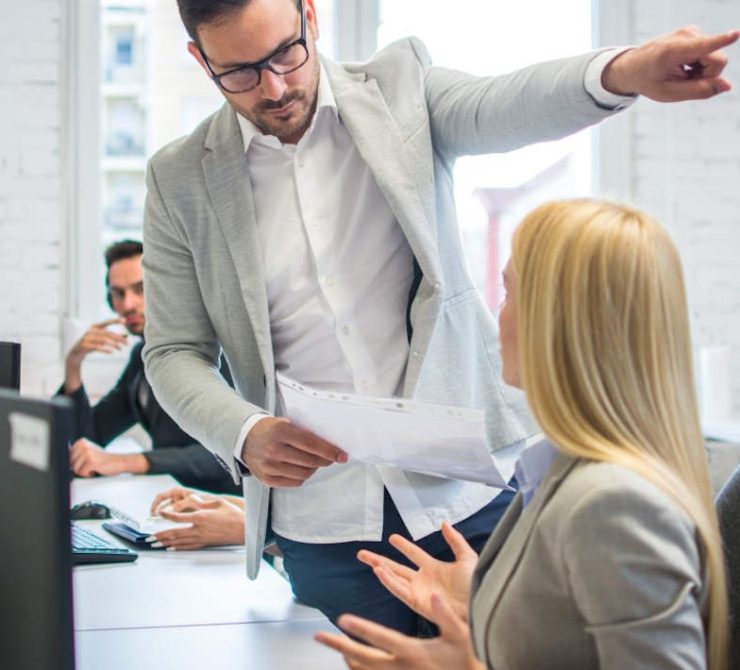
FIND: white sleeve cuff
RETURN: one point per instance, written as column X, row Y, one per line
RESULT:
column 594, row 87
column 250, row 423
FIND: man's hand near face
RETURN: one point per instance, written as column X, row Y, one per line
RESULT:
column 281, row 454
column 87, row 459
column 96, row 338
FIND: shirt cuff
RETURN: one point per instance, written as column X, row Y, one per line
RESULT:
column 247, row 426
column 594, row 87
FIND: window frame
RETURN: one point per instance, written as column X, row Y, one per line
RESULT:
column 611, row 25
column 85, row 292
column 356, row 29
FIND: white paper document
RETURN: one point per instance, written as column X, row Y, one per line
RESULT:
column 440, row 440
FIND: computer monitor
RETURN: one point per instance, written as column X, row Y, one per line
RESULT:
column 36, row 576
column 10, row 365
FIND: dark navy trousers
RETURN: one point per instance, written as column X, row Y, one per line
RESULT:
column 330, row 578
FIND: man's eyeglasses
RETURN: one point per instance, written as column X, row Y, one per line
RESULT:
column 245, row 77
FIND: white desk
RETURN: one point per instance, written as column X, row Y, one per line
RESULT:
column 284, row 645
column 194, row 609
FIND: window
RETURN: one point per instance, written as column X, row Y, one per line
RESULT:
column 144, row 87
column 124, row 50
column 494, row 192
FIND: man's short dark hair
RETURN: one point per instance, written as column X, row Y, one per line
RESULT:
column 195, row 13
column 122, row 249
column 119, row 251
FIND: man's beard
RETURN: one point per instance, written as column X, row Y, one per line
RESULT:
column 137, row 329
column 282, row 129
column 300, row 119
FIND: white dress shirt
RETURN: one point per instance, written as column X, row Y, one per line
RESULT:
column 338, row 274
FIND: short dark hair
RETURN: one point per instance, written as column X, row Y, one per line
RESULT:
column 194, row 13
column 122, row 249
column 119, row 251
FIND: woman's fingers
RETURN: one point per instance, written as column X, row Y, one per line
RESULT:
column 376, row 560
column 169, row 496
column 457, row 542
column 358, row 656
column 450, row 624
column 380, row 637
column 411, row 551
column 180, row 517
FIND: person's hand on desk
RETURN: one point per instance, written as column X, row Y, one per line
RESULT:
column 175, row 495
column 181, row 499
column 281, row 454
column 216, row 520
column 416, row 587
column 387, row 649
column 87, row 459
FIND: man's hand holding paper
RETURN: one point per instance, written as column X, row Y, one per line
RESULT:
column 440, row 440
column 280, row 453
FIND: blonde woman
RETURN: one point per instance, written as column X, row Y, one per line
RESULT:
column 609, row 556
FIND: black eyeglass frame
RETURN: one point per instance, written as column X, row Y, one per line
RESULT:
column 263, row 64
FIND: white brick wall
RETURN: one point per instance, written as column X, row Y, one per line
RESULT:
column 686, row 170
column 31, row 208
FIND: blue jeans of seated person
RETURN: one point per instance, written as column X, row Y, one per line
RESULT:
column 330, row 578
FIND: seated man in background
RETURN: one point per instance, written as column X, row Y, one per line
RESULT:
column 131, row 400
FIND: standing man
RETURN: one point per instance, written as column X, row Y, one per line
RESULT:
column 130, row 401
column 309, row 227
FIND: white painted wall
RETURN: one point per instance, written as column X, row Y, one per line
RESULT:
column 32, row 246
column 686, row 171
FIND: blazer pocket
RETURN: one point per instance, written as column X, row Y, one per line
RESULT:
column 468, row 295
column 662, row 616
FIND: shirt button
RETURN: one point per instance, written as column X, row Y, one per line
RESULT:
column 415, row 353
column 328, row 281
column 345, row 330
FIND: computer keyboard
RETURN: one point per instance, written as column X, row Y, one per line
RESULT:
column 89, row 547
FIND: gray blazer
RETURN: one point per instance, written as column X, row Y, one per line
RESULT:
column 204, row 276
column 601, row 570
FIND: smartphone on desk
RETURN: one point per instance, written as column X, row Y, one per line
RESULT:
column 125, row 531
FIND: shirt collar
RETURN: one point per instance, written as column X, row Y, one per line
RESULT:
column 325, row 101
column 531, row 468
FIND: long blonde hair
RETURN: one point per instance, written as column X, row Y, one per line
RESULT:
column 606, row 361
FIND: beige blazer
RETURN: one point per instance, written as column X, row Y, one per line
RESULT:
column 600, row 570
column 204, row 278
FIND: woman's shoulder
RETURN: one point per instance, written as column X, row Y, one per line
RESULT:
column 601, row 497
column 595, row 478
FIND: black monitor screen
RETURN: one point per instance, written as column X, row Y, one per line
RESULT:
column 10, row 365
column 36, row 575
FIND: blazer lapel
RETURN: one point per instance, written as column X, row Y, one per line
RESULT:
column 503, row 551
column 229, row 187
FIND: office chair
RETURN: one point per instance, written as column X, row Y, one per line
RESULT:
column 728, row 510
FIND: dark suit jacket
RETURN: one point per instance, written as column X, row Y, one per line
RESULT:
column 173, row 452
